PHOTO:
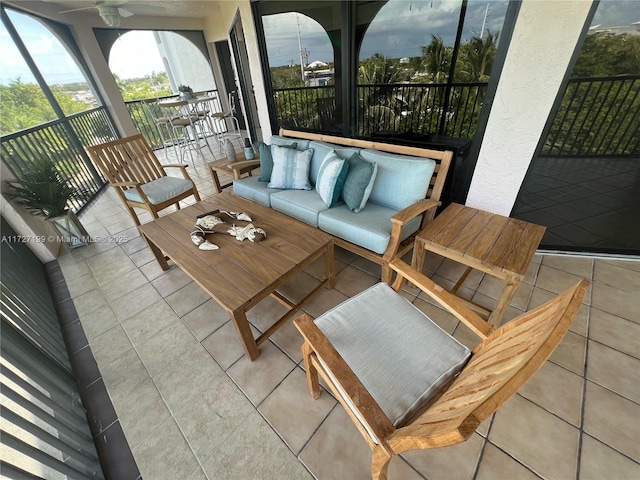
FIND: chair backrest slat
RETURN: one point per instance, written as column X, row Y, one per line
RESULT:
column 503, row 362
column 127, row 160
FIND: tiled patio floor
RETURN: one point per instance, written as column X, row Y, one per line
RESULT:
column 193, row 407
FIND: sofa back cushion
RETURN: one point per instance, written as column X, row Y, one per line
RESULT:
column 284, row 141
column 401, row 180
column 320, row 151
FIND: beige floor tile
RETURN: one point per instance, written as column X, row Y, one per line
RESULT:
column 458, row 461
column 599, row 461
column 299, row 286
column 617, row 302
column 206, row 404
column 293, row 413
column 557, row 281
column 571, row 353
column 615, row 332
column 110, row 345
column 557, row 390
column 368, row 267
column 89, row 302
column 135, row 302
column 165, row 454
column 143, row 257
column 493, row 287
column 444, row 319
column 483, row 428
column 224, row 345
column 110, row 265
column 237, row 457
column 289, row 340
column 617, row 276
column 114, row 289
column 465, row 336
column 614, row 370
column 580, row 266
column 265, row 313
column 134, row 244
column 98, row 322
column 187, row 299
column 324, row 301
column 81, row 284
column 206, row 319
column 497, row 465
column 629, row 263
column 171, row 281
column 151, row 269
column 164, row 348
column 151, row 320
column 612, row 419
column 257, row 379
column 352, row 281
column 532, row 273
column 337, row 450
column 536, row 438
column 452, row 271
column 141, row 412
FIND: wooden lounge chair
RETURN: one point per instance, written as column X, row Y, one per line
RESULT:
column 407, row 384
column 138, row 177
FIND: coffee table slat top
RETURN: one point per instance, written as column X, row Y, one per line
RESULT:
column 230, row 274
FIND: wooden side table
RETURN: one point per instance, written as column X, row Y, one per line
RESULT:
column 499, row 246
column 224, row 166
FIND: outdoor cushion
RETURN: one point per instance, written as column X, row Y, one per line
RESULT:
column 305, row 205
column 399, row 354
column 253, row 189
column 160, row 190
column 290, row 168
column 266, row 160
column 401, row 180
column 331, row 178
column 284, row 141
column 359, row 182
column 371, row 228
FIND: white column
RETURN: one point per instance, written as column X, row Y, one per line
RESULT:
column 544, row 38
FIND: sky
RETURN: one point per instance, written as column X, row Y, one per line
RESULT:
column 399, row 29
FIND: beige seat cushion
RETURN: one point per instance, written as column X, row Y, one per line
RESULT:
column 400, row 355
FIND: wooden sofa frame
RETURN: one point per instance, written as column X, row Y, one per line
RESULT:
column 426, row 207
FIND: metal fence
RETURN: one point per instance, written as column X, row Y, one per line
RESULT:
column 63, row 141
column 597, row 117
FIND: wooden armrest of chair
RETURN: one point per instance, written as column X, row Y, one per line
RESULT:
column 449, row 301
column 175, row 165
column 368, row 409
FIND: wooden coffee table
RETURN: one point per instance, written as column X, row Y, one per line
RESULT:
column 500, row 246
column 241, row 274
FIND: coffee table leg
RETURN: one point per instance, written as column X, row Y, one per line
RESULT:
column 329, row 266
column 157, row 253
column 241, row 324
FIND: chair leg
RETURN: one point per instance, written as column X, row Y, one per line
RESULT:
column 380, row 463
column 312, row 373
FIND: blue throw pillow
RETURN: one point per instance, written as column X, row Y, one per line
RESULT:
column 359, row 182
column 266, row 161
column 290, row 168
column 331, row 176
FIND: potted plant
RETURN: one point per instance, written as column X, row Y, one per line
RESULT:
column 185, row 92
column 44, row 192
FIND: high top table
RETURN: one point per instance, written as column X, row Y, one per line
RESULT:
column 496, row 245
column 241, row 274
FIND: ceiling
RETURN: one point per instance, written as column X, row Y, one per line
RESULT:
column 162, row 8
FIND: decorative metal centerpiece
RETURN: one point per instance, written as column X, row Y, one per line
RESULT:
column 210, row 223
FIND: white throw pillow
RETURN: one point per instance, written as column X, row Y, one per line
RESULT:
column 290, row 168
column 331, row 177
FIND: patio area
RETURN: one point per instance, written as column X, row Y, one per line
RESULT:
column 193, row 407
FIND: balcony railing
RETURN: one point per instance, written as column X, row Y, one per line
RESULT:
column 597, row 117
column 63, row 141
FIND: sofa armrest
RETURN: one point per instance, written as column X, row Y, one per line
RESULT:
column 398, row 221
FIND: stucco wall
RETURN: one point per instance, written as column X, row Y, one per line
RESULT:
column 544, row 39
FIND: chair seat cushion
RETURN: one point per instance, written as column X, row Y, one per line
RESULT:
column 400, row 355
column 160, row 190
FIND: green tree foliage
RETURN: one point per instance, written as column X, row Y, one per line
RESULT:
column 475, row 59
column 436, row 59
column 605, row 54
column 151, row 86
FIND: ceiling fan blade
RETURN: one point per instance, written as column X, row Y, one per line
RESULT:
column 76, row 10
column 124, row 13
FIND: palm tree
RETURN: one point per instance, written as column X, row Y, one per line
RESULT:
column 476, row 59
column 436, row 59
